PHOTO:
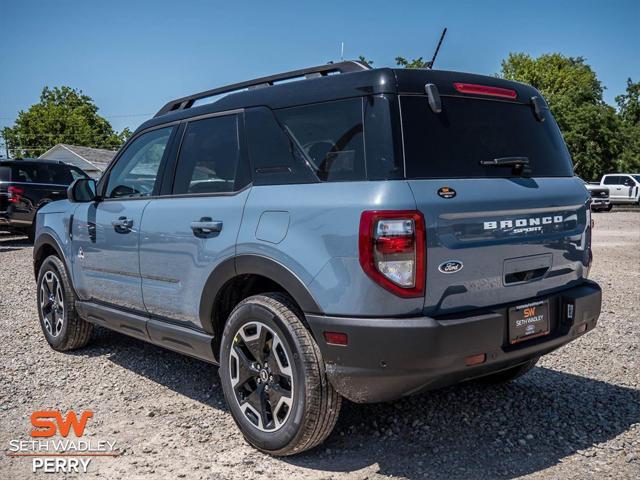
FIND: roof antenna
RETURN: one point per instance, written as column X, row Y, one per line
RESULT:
column 435, row 54
column 341, row 51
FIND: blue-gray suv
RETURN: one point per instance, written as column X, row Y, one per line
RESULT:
column 331, row 232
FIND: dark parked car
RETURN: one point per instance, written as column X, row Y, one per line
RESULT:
column 26, row 186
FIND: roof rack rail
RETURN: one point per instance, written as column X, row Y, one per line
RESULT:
column 312, row 72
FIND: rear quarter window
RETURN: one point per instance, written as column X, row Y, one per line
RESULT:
column 5, row 174
column 451, row 144
column 331, row 136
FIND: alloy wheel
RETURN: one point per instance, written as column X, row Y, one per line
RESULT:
column 261, row 376
column 52, row 303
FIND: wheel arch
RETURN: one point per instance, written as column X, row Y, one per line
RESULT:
column 237, row 278
column 44, row 246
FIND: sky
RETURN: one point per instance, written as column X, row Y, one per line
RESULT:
column 133, row 56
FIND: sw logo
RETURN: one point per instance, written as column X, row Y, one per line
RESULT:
column 529, row 312
column 56, row 455
column 45, row 427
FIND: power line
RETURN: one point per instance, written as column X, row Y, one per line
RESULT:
column 124, row 115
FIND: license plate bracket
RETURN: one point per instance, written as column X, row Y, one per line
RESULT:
column 527, row 321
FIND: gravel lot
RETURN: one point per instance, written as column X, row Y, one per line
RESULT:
column 576, row 415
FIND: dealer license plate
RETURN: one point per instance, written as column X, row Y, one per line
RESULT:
column 528, row 321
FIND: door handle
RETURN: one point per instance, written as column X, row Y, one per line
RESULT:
column 122, row 225
column 205, row 227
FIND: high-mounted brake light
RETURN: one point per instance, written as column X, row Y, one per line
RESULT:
column 474, row 89
column 392, row 248
column 15, row 193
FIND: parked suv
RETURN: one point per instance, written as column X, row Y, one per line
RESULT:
column 28, row 185
column 358, row 233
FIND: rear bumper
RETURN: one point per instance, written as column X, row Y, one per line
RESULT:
column 387, row 358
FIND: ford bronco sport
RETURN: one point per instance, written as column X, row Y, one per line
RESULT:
column 358, row 233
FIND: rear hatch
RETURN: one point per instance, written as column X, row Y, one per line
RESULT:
column 495, row 234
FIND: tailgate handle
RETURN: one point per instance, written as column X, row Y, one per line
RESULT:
column 525, row 276
column 526, row 269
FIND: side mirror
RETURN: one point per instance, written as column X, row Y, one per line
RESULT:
column 82, row 190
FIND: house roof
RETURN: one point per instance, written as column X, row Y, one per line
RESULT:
column 99, row 157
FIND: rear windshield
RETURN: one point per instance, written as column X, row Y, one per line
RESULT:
column 452, row 144
column 40, row 173
column 5, row 174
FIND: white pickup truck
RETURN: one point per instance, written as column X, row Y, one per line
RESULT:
column 599, row 197
column 623, row 187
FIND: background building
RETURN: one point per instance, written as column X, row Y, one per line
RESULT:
column 92, row 160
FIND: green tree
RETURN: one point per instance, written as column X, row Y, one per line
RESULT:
column 629, row 103
column 415, row 63
column 365, row 60
column 629, row 112
column 591, row 128
column 63, row 115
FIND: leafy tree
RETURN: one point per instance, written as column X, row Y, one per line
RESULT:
column 629, row 112
column 63, row 115
column 365, row 60
column 591, row 128
column 629, row 103
column 415, row 63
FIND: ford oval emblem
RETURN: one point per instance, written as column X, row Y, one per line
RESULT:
column 450, row 266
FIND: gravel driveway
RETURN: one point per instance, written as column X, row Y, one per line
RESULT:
column 576, row 415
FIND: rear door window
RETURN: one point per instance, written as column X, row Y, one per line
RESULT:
column 612, row 180
column 210, row 157
column 42, row 173
column 452, row 144
column 275, row 159
column 331, row 136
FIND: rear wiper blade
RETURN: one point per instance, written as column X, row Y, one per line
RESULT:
column 505, row 162
column 519, row 165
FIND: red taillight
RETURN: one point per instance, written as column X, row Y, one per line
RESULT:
column 389, row 245
column 14, row 194
column 473, row 89
column 392, row 248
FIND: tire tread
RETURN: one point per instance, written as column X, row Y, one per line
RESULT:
column 323, row 402
column 79, row 330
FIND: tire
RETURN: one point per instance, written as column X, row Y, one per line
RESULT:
column 607, row 208
column 62, row 327
column 305, row 407
column 510, row 374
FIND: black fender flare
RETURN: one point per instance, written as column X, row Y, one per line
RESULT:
column 246, row 264
column 46, row 239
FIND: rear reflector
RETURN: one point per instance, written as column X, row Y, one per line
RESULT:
column 473, row 89
column 336, row 338
column 472, row 360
